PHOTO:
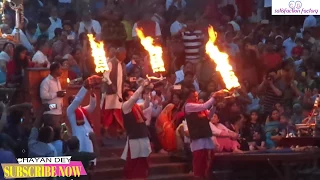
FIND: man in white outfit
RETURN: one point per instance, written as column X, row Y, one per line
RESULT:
column 79, row 117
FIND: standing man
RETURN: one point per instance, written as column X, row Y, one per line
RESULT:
column 137, row 148
column 55, row 22
column 200, row 133
column 52, row 94
column 111, row 98
column 79, row 118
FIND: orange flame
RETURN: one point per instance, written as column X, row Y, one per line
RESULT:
column 68, row 80
column 155, row 52
column 98, row 55
column 221, row 60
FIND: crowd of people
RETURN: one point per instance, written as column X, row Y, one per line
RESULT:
column 276, row 64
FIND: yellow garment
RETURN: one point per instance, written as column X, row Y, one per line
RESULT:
column 128, row 27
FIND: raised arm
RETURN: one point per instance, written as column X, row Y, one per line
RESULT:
column 127, row 106
column 194, row 107
column 93, row 103
column 77, row 100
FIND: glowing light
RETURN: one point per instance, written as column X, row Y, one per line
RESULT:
column 222, row 61
column 98, row 55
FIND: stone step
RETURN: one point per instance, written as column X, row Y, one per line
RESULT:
column 155, row 169
column 117, row 162
column 111, row 152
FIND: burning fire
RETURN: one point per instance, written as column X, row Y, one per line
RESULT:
column 68, row 80
column 221, row 60
column 98, row 55
column 155, row 52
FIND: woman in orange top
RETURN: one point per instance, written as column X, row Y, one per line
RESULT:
column 165, row 124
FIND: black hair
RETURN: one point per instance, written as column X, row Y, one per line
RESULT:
column 57, row 32
column 31, row 25
column 45, row 21
column 125, row 94
column 6, row 44
column 270, row 114
column 73, row 143
column 45, row 134
column 21, row 63
column 54, row 66
column 287, row 63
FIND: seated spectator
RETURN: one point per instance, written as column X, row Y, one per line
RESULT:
column 61, row 47
column 31, row 32
column 272, row 129
column 58, row 143
column 256, row 136
column 16, row 67
column 89, row 26
column 224, row 139
column 76, row 155
column 43, row 26
column 40, row 139
column 40, row 57
column 71, row 35
column 5, row 56
column 55, row 22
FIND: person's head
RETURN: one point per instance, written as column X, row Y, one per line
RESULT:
column 8, row 47
column 44, row 24
column 254, row 116
column 43, row 46
column 57, row 32
column 278, row 40
column 31, row 27
column 297, row 109
column 77, row 54
column 288, row 70
column 299, row 42
column 8, row 20
column 188, row 67
column 86, row 17
column 73, row 144
column 176, row 99
column 279, row 107
column 228, row 37
column 190, row 22
column 160, row 9
column 5, row 28
column 284, row 119
column 54, row 13
column 126, row 85
column 67, row 27
column 20, row 54
column 192, row 96
column 306, row 53
column 188, row 78
column 306, row 35
column 211, row 87
column 117, row 15
column 234, row 107
column 272, row 74
column 55, row 69
column 126, row 95
column 46, row 134
column 83, row 37
column 274, row 115
column 121, row 54
column 292, row 32
column 215, row 119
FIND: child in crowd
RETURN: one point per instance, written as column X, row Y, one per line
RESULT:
column 223, row 138
column 256, row 136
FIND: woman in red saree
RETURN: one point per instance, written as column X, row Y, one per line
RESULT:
column 166, row 123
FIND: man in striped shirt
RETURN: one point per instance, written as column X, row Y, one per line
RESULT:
column 193, row 41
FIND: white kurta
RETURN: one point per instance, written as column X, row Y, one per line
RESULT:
column 112, row 100
column 82, row 132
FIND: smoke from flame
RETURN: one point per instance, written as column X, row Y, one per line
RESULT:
column 155, row 52
column 222, row 61
column 98, row 55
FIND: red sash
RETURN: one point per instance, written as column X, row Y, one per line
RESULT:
column 80, row 118
column 138, row 114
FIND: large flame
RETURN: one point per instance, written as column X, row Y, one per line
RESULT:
column 155, row 52
column 221, row 60
column 98, row 55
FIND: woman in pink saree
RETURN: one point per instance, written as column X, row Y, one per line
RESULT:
column 166, row 124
